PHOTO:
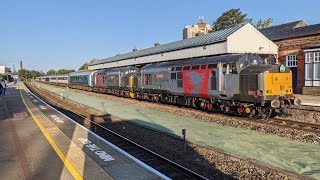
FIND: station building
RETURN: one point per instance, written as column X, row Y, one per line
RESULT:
column 299, row 49
column 236, row 40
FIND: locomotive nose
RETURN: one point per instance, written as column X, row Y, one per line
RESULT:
column 278, row 84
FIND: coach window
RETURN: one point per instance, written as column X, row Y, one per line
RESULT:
column 203, row 66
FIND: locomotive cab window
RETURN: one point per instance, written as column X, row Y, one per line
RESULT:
column 232, row 69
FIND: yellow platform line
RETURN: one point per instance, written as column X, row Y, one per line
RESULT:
column 63, row 158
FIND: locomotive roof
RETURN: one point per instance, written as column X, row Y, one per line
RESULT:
column 195, row 61
column 214, row 37
column 82, row 73
column 117, row 69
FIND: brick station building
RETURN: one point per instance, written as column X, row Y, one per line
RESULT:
column 299, row 49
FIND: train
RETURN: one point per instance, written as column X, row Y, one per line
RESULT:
column 241, row 84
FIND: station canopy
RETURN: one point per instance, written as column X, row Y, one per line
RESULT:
column 240, row 39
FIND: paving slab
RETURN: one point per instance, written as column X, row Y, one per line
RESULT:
column 38, row 142
column 309, row 100
column 104, row 154
column 280, row 152
column 24, row 151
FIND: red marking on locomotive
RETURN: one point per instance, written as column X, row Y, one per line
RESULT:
column 189, row 86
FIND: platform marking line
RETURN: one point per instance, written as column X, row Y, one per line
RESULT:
column 56, row 118
column 105, row 141
column 35, row 100
column 42, row 107
column 63, row 158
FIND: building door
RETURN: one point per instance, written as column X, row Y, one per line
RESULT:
column 291, row 62
column 294, row 79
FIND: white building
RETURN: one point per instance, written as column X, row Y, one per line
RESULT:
column 2, row 69
column 240, row 39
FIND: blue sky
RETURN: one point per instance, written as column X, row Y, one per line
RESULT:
column 66, row 33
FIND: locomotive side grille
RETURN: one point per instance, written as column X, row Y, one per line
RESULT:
column 248, row 83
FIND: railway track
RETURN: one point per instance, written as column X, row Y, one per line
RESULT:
column 309, row 127
column 278, row 122
column 154, row 160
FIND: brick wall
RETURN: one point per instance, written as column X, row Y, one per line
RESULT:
column 294, row 46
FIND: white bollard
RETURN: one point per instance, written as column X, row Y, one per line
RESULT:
column 61, row 97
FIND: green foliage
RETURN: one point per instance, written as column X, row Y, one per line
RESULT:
column 7, row 69
column 85, row 65
column 230, row 18
column 234, row 17
column 27, row 75
column 65, row 71
column 51, row 72
column 263, row 23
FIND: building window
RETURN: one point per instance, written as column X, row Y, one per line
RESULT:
column 312, row 69
column 292, row 61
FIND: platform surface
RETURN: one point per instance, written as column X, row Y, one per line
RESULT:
column 280, row 152
column 37, row 142
column 309, row 100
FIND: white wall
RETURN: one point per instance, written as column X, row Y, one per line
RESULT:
column 249, row 40
column 2, row 69
column 212, row 49
column 246, row 40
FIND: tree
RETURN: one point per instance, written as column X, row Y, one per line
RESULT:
column 7, row 69
column 234, row 17
column 51, row 72
column 230, row 18
column 263, row 23
column 65, row 71
column 27, row 75
column 85, row 65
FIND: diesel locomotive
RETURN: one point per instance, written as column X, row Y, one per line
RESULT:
column 241, row 84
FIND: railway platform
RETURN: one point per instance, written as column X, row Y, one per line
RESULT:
column 309, row 102
column 38, row 142
column 279, row 152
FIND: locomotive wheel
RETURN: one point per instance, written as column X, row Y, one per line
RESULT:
column 264, row 112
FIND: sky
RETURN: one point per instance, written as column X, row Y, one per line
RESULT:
column 57, row 34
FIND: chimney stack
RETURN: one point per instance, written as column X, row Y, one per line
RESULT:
column 21, row 67
column 134, row 49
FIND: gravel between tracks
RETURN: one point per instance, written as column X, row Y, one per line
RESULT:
column 206, row 161
column 239, row 122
